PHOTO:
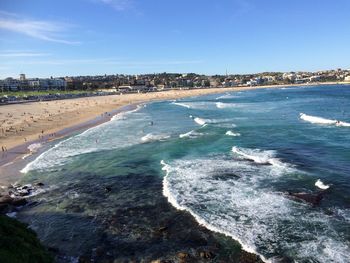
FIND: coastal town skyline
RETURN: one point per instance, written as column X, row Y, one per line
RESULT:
column 44, row 39
column 166, row 81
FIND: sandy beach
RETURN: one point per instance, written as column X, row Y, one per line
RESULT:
column 21, row 123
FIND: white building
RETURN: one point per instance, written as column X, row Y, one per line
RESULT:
column 47, row 83
column 9, row 84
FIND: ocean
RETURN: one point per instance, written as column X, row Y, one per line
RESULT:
column 268, row 167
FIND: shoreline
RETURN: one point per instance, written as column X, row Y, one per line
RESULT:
column 99, row 114
column 18, row 151
column 115, row 102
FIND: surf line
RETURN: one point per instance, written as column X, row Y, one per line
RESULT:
column 172, row 200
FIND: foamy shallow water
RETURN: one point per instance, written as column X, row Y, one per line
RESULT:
column 230, row 160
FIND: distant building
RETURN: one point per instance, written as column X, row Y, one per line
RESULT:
column 314, row 78
column 45, row 84
column 133, row 88
column 289, row 76
column 22, row 77
column 9, row 84
column 347, row 78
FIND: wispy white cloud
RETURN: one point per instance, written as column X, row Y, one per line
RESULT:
column 106, row 61
column 19, row 54
column 44, row 30
column 119, row 5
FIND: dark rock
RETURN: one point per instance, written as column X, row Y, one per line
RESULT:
column 24, row 192
column 84, row 259
column 6, row 199
column 247, row 257
column 54, row 250
column 19, row 201
column 4, row 208
column 329, row 212
column 182, row 255
column 314, row 199
column 108, row 188
column 40, row 184
column 162, row 229
column 99, row 251
column 206, row 254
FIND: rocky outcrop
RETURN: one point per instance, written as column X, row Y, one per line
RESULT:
column 310, row 198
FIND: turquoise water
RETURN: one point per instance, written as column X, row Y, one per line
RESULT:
column 235, row 161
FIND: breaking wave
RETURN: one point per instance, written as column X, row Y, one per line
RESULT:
column 320, row 120
column 32, row 148
column 182, row 105
column 154, row 137
column 231, row 133
column 191, row 134
column 263, row 220
column 221, row 105
column 85, row 142
column 197, row 105
column 226, row 96
column 200, row 121
column 258, row 156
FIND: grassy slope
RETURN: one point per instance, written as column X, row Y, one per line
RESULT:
column 20, row 244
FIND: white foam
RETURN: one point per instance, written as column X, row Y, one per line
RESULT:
column 321, row 185
column 232, row 197
column 226, row 96
column 219, row 122
column 342, row 124
column 182, row 105
column 314, row 119
column 200, row 121
column 87, row 142
column 198, row 105
column 221, row 105
column 231, row 133
column 34, row 147
column 190, row 134
column 258, row 156
column 320, row 120
column 150, row 137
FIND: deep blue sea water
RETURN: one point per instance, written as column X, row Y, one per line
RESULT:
column 233, row 160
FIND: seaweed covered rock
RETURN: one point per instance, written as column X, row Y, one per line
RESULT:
column 20, row 244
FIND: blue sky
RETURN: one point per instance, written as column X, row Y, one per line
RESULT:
column 88, row 37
